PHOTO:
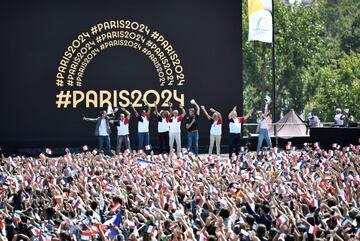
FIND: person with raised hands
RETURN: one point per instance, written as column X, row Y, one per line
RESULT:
column 235, row 122
column 163, row 129
column 122, row 126
column 174, row 120
column 143, row 126
column 215, row 129
column 103, row 130
column 263, row 131
column 192, row 128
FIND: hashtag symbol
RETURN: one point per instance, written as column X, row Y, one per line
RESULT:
column 155, row 35
column 98, row 39
column 59, row 82
column 70, row 83
column 149, row 43
column 63, row 99
column 94, row 30
column 78, row 83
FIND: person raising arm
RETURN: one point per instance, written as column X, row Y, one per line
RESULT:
column 215, row 130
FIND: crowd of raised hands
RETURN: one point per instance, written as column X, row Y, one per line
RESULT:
column 306, row 194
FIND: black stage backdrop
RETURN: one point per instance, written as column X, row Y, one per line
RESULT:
column 63, row 59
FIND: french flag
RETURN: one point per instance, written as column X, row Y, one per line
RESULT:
column 312, row 230
column 282, row 219
column 48, row 151
column 116, row 208
column 144, row 163
column 76, row 203
column 140, row 198
column 42, row 157
column 315, row 203
column 36, row 232
column 150, row 229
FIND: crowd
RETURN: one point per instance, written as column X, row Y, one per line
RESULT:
column 305, row 194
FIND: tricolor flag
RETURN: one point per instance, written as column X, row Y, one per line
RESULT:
column 260, row 20
column 48, row 151
column 315, row 203
column 312, row 230
column 150, row 229
column 144, row 163
column 282, row 219
column 116, row 208
column 42, row 157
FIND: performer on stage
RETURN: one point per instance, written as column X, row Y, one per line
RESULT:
column 263, row 131
column 143, row 126
column 102, row 130
column 235, row 130
column 175, row 127
column 192, row 128
column 122, row 125
column 163, row 129
column 215, row 130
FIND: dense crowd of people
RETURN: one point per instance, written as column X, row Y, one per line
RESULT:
column 305, row 194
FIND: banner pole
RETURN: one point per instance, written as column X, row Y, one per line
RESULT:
column 273, row 73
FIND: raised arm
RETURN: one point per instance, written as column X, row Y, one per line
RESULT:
column 90, row 119
column 149, row 107
column 197, row 108
column 266, row 109
column 128, row 114
column 133, row 108
column 205, row 112
column 249, row 114
column 183, row 111
column 234, row 109
column 156, row 112
column 170, row 108
column 215, row 111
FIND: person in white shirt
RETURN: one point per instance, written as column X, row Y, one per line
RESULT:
column 338, row 118
column 263, row 132
column 215, row 130
column 143, row 126
column 235, row 122
column 122, row 126
column 102, row 130
column 174, row 120
column 163, row 129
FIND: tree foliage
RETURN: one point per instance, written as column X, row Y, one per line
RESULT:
column 317, row 58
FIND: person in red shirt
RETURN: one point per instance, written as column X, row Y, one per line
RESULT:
column 235, row 122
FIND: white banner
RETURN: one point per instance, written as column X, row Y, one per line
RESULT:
column 260, row 20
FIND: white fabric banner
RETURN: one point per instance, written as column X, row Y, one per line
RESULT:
column 260, row 20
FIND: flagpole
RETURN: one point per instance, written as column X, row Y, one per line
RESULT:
column 273, row 72
column 241, row 63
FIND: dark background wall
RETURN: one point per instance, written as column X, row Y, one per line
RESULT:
column 205, row 34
